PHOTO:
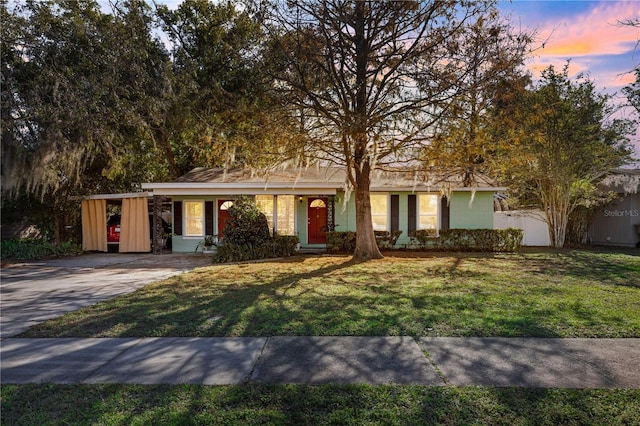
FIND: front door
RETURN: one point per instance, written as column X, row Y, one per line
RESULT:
column 317, row 220
column 223, row 215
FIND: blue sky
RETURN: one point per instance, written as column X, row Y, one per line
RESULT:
column 588, row 34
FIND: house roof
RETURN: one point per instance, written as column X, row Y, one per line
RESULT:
column 622, row 181
column 311, row 180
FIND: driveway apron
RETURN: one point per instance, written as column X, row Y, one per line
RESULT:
column 31, row 293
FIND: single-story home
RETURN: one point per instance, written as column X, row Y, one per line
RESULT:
column 308, row 202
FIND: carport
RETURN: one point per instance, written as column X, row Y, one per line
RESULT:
column 134, row 222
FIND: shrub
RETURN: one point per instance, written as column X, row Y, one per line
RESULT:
column 504, row 240
column 279, row 246
column 247, row 225
column 284, row 245
column 343, row 242
column 480, row 239
column 246, row 236
column 37, row 249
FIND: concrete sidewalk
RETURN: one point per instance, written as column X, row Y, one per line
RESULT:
column 433, row 361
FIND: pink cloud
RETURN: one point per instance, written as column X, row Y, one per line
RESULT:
column 594, row 33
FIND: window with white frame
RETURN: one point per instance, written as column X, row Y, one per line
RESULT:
column 265, row 205
column 285, row 210
column 194, row 218
column 379, row 211
column 428, row 211
column 280, row 212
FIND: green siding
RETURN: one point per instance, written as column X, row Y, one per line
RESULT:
column 462, row 215
column 345, row 215
column 475, row 215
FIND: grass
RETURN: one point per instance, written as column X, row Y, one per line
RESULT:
column 541, row 293
column 318, row 405
column 546, row 293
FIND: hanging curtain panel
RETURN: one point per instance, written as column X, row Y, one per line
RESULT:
column 94, row 225
column 134, row 226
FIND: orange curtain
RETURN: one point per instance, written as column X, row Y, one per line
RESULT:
column 134, row 226
column 94, row 225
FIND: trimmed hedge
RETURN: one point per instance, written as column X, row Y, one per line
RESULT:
column 496, row 240
column 278, row 246
column 342, row 242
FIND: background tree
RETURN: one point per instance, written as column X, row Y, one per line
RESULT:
column 558, row 145
column 490, row 57
column 227, row 114
column 78, row 90
column 369, row 80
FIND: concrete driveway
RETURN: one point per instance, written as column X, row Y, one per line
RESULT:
column 34, row 292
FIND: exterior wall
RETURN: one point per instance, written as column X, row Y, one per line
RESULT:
column 475, row 215
column 180, row 243
column 536, row 232
column 345, row 214
column 462, row 215
column 478, row 215
column 614, row 224
column 301, row 219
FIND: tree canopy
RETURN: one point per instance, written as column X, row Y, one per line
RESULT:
column 371, row 81
column 559, row 141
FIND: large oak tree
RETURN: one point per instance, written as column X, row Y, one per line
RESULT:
column 370, row 80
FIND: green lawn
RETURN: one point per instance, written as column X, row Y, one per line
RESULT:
column 314, row 405
column 542, row 293
column 564, row 293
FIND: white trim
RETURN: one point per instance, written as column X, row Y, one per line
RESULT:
column 226, row 192
column 114, row 196
column 261, row 186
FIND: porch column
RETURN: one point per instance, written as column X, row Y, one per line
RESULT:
column 331, row 225
column 157, row 224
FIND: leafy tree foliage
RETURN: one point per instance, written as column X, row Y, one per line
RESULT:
column 370, row 80
column 632, row 91
column 79, row 89
column 247, row 225
column 225, row 101
column 558, row 143
column 463, row 144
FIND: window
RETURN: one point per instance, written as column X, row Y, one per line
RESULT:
column 194, row 218
column 379, row 212
column 265, row 205
column 279, row 211
column 428, row 211
column 286, row 218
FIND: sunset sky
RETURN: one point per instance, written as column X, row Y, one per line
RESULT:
column 589, row 34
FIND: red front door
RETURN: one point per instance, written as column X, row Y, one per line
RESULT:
column 317, row 220
column 223, row 215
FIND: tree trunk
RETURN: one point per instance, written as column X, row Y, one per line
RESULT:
column 366, row 245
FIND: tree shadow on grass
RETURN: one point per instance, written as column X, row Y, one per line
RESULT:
column 327, row 404
column 176, row 307
column 606, row 266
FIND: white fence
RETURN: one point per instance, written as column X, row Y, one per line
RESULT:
column 530, row 221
